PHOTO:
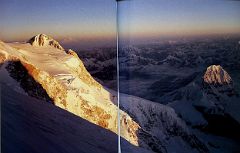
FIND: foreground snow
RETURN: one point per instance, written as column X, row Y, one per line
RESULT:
column 33, row 126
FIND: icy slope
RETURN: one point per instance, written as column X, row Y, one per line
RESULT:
column 30, row 125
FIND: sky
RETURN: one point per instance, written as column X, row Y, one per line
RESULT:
column 87, row 22
column 92, row 23
column 139, row 19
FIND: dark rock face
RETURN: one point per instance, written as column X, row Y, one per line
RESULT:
column 223, row 125
column 153, row 142
column 171, row 83
column 18, row 72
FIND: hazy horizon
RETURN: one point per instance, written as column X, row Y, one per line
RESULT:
column 89, row 24
column 70, row 22
column 151, row 19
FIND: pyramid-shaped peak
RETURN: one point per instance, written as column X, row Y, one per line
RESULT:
column 215, row 74
column 44, row 40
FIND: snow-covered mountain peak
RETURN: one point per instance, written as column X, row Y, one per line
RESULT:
column 216, row 75
column 44, row 40
column 217, row 82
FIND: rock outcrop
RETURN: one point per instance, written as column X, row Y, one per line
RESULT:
column 217, row 82
column 216, row 75
column 44, row 40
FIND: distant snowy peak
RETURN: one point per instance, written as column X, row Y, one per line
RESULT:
column 217, row 82
column 216, row 75
column 44, row 40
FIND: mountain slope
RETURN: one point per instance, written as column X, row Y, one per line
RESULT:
column 64, row 81
column 67, row 82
